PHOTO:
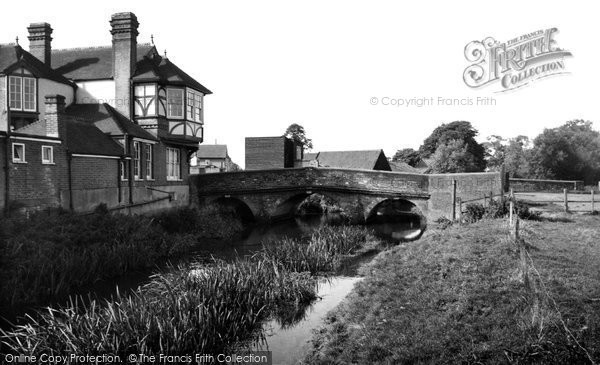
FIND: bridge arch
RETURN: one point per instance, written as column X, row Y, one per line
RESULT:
column 289, row 206
column 237, row 206
column 396, row 207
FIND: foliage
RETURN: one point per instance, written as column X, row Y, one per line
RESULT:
column 570, row 152
column 456, row 131
column 473, row 212
column 297, row 133
column 452, row 157
column 56, row 252
column 408, row 156
column 497, row 208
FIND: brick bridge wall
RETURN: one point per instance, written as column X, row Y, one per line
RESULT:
column 275, row 193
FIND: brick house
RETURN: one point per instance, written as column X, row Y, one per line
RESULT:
column 264, row 153
column 84, row 126
column 210, row 158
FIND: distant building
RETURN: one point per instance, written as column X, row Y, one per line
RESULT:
column 210, row 158
column 400, row 166
column 363, row 160
column 264, row 153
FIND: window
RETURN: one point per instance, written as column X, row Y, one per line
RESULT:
column 207, row 162
column 194, row 106
column 22, row 93
column 123, row 170
column 173, row 164
column 137, row 162
column 47, row 155
column 145, row 100
column 149, row 161
column 18, row 152
column 175, row 103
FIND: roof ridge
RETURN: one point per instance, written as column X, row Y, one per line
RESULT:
column 88, row 48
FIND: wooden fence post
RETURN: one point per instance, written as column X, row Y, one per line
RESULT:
column 511, row 207
column 593, row 210
column 566, row 191
column 453, row 200
column 459, row 210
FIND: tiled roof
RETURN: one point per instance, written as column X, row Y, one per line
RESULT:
column 157, row 68
column 400, row 166
column 108, row 120
column 212, row 151
column 93, row 63
column 85, row 138
column 365, row 160
column 11, row 55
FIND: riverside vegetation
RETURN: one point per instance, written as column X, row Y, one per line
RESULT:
column 457, row 296
column 53, row 253
column 197, row 308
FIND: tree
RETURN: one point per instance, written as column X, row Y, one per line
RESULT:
column 455, row 131
column 297, row 133
column 571, row 151
column 452, row 157
column 495, row 152
column 407, row 155
column 517, row 157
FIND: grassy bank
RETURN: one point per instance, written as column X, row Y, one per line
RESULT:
column 52, row 253
column 457, row 296
column 193, row 309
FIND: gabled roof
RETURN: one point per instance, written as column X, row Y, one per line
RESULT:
column 156, row 68
column 212, row 151
column 108, row 120
column 85, row 138
column 13, row 56
column 364, row 160
column 92, row 63
column 400, row 166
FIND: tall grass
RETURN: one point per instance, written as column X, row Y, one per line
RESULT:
column 191, row 309
column 202, row 311
column 53, row 253
column 323, row 251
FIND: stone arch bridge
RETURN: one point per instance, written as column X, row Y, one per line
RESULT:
column 275, row 194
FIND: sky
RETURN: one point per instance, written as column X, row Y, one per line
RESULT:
column 321, row 64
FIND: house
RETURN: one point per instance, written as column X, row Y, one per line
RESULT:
column 264, row 153
column 400, row 166
column 84, row 126
column 363, row 160
column 210, row 158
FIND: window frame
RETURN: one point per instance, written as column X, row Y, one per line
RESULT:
column 173, row 164
column 124, row 172
column 137, row 161
column 149, row 155
column 22, row 159
column 194, row 108
column 152, row 99
column 51, row 160
column 21, row 93
column 182, row 109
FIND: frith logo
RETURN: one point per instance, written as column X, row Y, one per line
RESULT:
column 514, row 63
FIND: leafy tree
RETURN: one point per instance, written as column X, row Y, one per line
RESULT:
column 453, row 156
column 495, row 152
column 517, row 157
column 407, row 155
column 298, row 134
column 571, row 151
column 455, row 131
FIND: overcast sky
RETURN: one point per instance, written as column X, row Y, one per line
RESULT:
column 319, row 63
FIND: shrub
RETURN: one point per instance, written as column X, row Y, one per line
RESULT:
column 473, row 213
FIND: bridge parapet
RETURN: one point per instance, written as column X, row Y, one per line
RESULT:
column 364, row 181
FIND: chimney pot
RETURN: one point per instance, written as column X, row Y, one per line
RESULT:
column 40, row 42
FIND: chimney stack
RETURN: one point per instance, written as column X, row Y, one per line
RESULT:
column 124, row 30
column 40, row 42
column 55, row 108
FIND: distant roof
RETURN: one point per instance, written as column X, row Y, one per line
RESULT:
column 212, row 151
column 108, row 120
column 365, row 160
column 400, row 166
column 12, row 56
column 91, row 63
column 85, row 138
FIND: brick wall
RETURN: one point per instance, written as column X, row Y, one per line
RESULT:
column 33, row 184
column 265, row 153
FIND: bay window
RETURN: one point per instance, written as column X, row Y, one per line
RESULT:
column 194, row 106
column 145, row 100
column 22, row 93
column 173, row 164
column 174, row 103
